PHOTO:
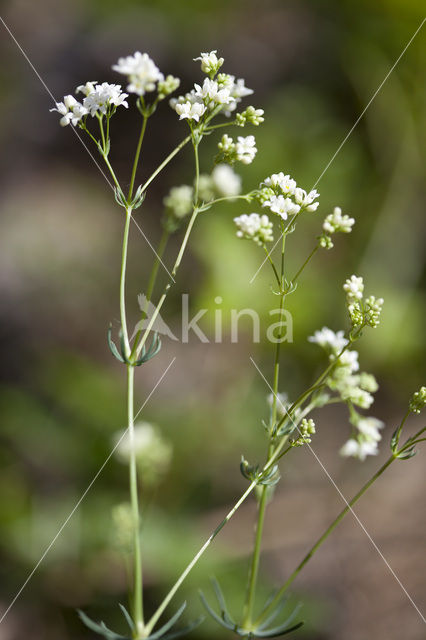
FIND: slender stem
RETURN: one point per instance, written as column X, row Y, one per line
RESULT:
column 134, row 500
column 277, row 277
column 101, row 128
column 254, row 567
column 219, row 126
column 197, row 174
column 166, row 162
column 111, row 170
column 151, row 282
column 136, row 160
column 229, row 199
column 123, row 280
column 152, row 622
column 177, row 261
column 320, row 540
column 310, row 256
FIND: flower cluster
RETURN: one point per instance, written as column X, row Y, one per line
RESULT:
column 306, row 430
column 100, row 99
column 179, row 204
column 222, row 182
column 244, row 150
column 364, row 442
column 254, row 227
column 219, row 93
column 143, row 75
column 362, row 312
column 418, row 401
column 282, row 196
column 352, row 387
column 334, row 223
column 153, row 453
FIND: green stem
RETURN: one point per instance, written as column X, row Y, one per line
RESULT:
column 123, row 281
column 153, row 621
column 310, row 256
column 229, row 199
column 177, row 261
column 319, row 542
column 165, row 162
column 134, row 500
column 254, row 567
column 151, row 283
column 136, row 160
column 271, row 262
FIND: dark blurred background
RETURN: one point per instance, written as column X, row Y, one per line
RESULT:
column 314, row 67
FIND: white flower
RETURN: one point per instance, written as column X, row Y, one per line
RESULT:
column 239, row 89
column 282, row 206
column 369, row 427
column 190, row 110
column 254, row 227
column 211, row 93
column 328, row 339
column 245, row 149
column 306, row 200
column 70, row 110
column 179, row 200
column 354, row 287
column 349, row 359
column 283, row 183
column 336, row 222
column 359, row 449
column 104, row 96
column 146, row 442
column 86, row 88
column 226, row 181
column 142, row 72
column 210, row 63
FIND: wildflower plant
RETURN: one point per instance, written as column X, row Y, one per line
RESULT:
column 211, row 105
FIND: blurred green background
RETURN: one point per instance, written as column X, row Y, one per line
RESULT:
column 314, row 67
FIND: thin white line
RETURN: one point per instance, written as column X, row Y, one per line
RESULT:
column 79, row 137
column 352, row 129
column 64, row 524
column 156, row 254
column 344, row 499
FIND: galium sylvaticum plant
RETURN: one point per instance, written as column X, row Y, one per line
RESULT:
column 209, row 107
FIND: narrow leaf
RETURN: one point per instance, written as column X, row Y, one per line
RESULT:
column 278, row 631
column 112, row 346
column 128, row 617
column 168, row 624
column 189, row 627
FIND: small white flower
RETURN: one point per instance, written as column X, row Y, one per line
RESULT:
column 335, row 222
column 210, row 63
column 306, row 200
column 282, row 206
column 354, row 287
column 369, row 427
column 190, row 111
column 179, row 200
column 359, row 449
column 254, row 227
column 142, row 72
column 70, row 110
column 281, row 183
column 86, row 88
column 349, row 359
column 226, row 181
column 211, row 93
column 104, row 96
column 328, row 339
column 245, row 149
column 282, row 403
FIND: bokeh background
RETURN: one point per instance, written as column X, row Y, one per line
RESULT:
column 314, row 67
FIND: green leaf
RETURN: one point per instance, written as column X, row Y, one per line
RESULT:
column 112, row 346
column 278, row 631
column 128, row 617
column 181, row 632
column 101, row 628
column 169, row 624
